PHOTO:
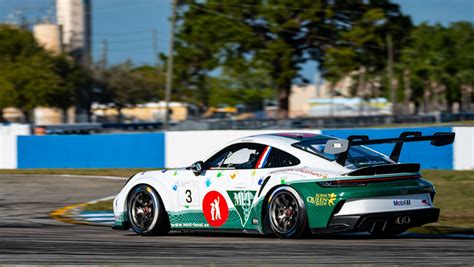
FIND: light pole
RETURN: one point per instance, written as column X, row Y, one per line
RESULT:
column 169, row 71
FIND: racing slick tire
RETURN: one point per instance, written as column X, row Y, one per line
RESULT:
column 146, row 212
column 286, row 213
column 387, row 233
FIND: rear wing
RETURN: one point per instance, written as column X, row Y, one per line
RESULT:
column 342, row 146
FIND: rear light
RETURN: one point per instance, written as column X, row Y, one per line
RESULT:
column 364, row 182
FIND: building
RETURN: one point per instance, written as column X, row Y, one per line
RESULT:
column 49, row 36
column 147, row 112
column 299, row 104
column 74, row 16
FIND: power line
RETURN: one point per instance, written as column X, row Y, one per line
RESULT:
column 131, row 40
column 131, row 49
column 122, row 33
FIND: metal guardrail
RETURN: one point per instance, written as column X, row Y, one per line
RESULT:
column 254, row 124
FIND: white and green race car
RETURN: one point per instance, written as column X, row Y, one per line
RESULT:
column 288, row 184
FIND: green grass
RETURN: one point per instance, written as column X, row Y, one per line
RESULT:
column 105, row 205
column 455, row 191
column 454, row 196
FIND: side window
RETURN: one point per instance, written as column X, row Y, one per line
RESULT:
column 279, row 158
column 237, row 156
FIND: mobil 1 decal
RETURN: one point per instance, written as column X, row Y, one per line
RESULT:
column 242, row 201
column 215, row 208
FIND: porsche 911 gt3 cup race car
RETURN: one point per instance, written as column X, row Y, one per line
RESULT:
column 287, row 184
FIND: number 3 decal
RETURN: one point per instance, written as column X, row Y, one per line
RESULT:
column 188, row 193
column 189, row 197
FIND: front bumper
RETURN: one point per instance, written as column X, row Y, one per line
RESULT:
column 121, row 222
column 380, row 221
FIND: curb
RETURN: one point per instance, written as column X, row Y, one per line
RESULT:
column 74, row 214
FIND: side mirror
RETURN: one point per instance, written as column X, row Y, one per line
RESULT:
column 196, row 168
column 335, row 146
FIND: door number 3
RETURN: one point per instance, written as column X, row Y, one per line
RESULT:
column 189, row 197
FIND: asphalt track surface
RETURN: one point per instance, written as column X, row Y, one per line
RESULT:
column 29, row 236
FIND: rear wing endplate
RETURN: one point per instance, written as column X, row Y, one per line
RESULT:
column 342, row 147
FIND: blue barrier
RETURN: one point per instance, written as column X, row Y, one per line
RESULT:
column 92, row 151
column 430, row 157
column 147, row 150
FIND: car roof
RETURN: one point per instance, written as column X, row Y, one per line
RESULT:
column 285, row 138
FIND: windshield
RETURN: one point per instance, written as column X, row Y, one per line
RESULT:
column 358, row 156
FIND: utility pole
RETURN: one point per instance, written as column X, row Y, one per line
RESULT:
column 391, row 86
column 155, row 47
column 105, row 49
column 169, row 71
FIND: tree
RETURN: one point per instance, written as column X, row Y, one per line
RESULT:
column 440, row 62
column 280, row 36
column 33, row 83
column 31, row 76
column 124, row 85
column 249, row 87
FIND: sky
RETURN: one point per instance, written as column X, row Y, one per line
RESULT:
column 128, row 25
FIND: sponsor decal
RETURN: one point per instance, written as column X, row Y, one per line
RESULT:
column 402, row 202
column 283, row 180
column 254, row 172
column 163, row 171
column 219, row 174
column 242, row 201
column 233, row 175
column 305, row 170
column 322, row 199
column 175, row 173
column 190, row 225
column 208, row 182
column 260, row 181
column 175, row 187
column 215, row 209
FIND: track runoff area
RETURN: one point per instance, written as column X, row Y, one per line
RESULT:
column 29, row 235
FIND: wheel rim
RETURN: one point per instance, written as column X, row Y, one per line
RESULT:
column 143, row 209
column 284, row 212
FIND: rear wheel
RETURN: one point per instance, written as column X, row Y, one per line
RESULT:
column 286, row 213
column 146, row 212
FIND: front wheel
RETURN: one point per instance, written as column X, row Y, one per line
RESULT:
column 287, row 213
column 146, row 212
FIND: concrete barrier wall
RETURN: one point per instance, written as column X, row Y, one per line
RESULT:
column 92, row 151
column 178, row 149
column 8, row 143
column 464, row 148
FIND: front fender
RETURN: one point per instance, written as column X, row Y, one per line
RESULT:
column 120, row 201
